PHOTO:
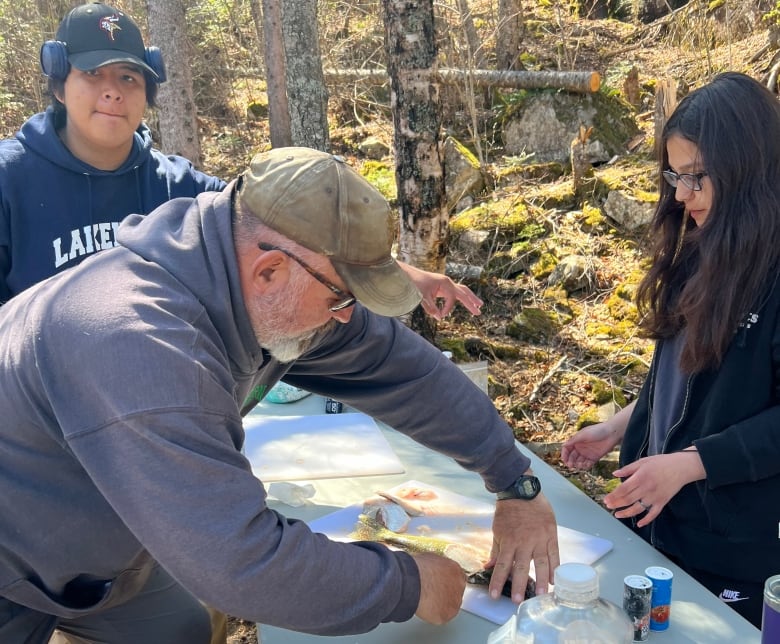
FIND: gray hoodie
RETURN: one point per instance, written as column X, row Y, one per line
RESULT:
column 121, row 435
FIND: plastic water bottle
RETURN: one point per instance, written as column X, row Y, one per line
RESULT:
column 574, row 613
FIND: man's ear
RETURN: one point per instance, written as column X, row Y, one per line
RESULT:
column 269, row 272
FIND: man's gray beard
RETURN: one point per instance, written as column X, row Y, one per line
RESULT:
column 287, row 349
column 272, row 315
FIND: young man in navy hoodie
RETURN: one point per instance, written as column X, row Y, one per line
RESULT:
column 73, row 172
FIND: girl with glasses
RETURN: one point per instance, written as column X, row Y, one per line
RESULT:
column 700, row 446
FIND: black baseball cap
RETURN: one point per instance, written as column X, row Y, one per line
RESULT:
column 95, row 34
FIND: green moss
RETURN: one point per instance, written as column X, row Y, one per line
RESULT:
column 589, row 417
column 532, row 324
column 624, row 329
column 545, row 265
column 592, row 217
column 552, row 195
column 519, row 168
column 621, row 308
column 626, row 290
column 510, row 214
column 611, row 484
column 602, row 393
column 633, row 175
column 528, row 60
column 381, row 177
column 455, row 345
column 465, row 152
column 503, row 351
column 257, row 109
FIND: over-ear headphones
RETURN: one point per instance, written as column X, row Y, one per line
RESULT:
column 54, row 60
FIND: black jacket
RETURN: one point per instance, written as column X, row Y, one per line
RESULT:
column 729, row 523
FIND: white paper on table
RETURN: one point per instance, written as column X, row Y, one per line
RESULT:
column 459, row 518
column 320, row 446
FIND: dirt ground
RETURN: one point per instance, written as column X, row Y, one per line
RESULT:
column 543, row 389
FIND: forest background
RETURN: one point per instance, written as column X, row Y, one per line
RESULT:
column 558, row 357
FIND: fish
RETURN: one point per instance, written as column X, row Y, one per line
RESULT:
column 387, row 513
column 482, row 578
column 469, row 558
column 408, row 507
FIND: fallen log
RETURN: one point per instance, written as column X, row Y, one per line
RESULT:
column 582, row 82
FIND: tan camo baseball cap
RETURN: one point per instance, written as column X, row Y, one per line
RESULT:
column 317, row 200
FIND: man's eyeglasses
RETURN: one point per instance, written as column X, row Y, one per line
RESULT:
column 690, row 181
column 345, row 299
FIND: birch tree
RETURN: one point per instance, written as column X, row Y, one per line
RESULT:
column 411, row 63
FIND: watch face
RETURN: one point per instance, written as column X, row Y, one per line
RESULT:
column 527, row 487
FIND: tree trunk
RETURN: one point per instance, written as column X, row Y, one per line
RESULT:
column 177, row 114
column 257, row 20
column 508, row 34
column 275, row 66
column 476, row 53
column 665, row 102
column 307, row 98
column 414, row 99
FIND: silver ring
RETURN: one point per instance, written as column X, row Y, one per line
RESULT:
column 644, row 505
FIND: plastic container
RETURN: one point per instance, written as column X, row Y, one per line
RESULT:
column 573, row 613
column 770, row 623
column 477, row 372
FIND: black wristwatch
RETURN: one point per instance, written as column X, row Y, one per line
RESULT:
column 526, row 487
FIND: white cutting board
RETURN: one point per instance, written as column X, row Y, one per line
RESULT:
column 301, row 448
column 454, row 517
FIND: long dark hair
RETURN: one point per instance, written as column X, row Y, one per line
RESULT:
column 706, row 279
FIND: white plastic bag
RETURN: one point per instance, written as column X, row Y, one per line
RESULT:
column 507, row 634
column 290, row 493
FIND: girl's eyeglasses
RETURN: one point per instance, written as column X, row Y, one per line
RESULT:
column 690, row 181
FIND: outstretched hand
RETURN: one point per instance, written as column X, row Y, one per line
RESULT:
column 583, row 450
column 440, row 293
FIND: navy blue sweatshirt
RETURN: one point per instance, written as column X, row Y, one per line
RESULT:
column 726, row 524
column 55, row 210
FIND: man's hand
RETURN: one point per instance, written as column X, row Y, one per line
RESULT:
column 523, row 531
column 442, row 583
column 440, row 293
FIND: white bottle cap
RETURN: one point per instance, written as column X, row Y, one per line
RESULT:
column 576, row 582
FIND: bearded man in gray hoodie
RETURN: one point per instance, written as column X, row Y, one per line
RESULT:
column 125, row 495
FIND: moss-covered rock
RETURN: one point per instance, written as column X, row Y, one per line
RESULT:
column 603, row 393
column 546, row 121
column 533, row 325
